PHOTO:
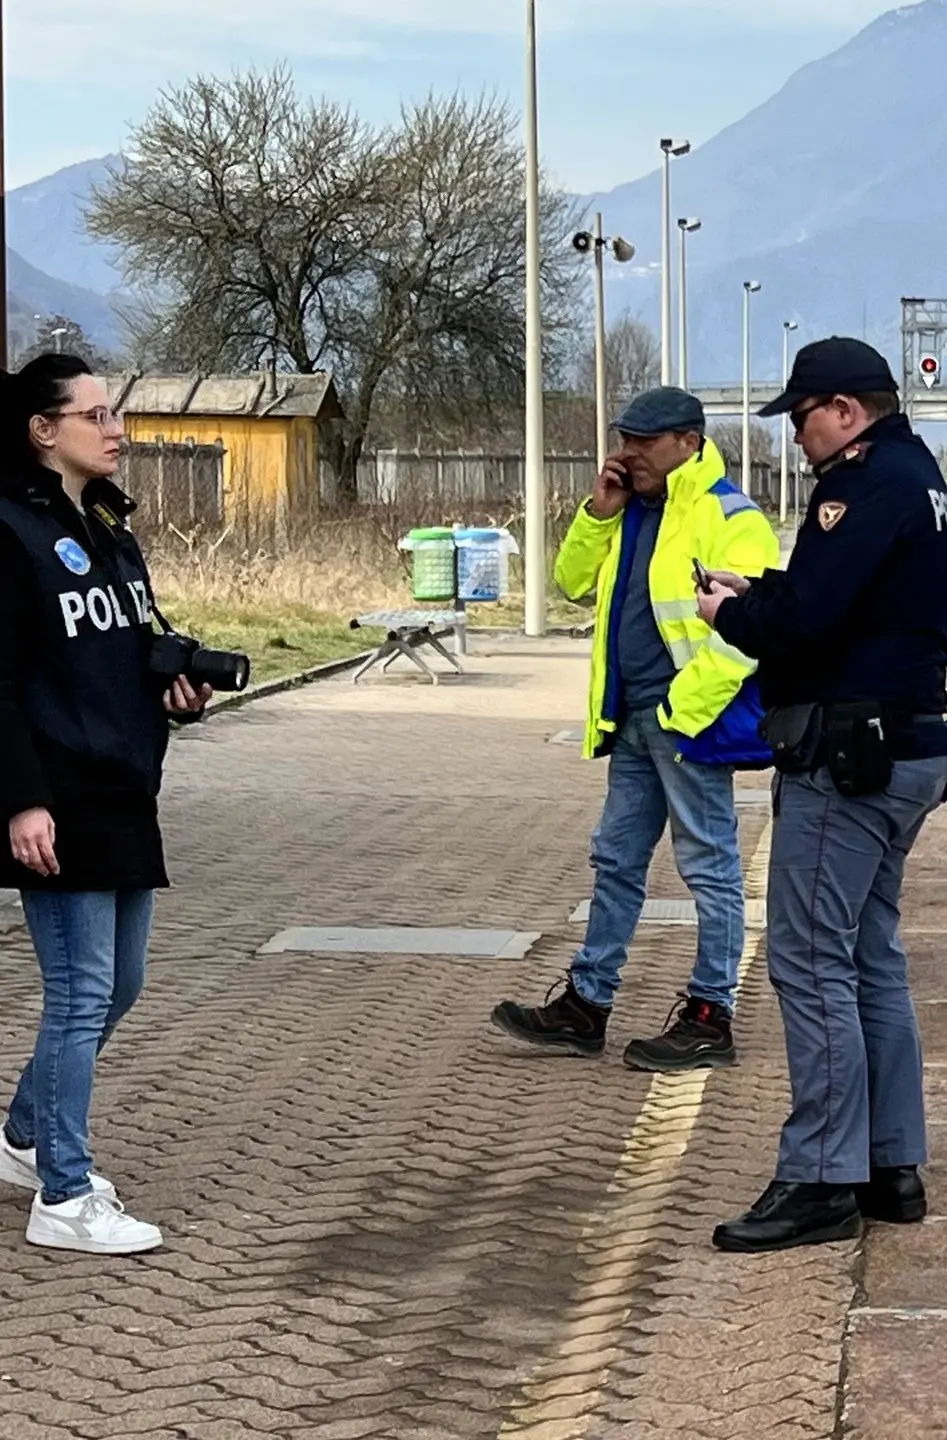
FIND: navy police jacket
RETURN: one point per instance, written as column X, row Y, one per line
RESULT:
column 861, row 611
column 83, row 729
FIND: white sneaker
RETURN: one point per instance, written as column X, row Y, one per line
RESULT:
column 18, row 1167
column 93, row 1224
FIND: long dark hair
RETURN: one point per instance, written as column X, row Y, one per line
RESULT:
column 41, row 388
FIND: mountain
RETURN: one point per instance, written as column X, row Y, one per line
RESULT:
column 53, row 267
column 831, row 194
column 44, row 224
column 34, row 293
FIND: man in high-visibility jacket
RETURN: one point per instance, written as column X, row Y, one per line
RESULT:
column 676, row 709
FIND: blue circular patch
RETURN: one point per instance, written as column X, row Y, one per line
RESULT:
column 73, row 556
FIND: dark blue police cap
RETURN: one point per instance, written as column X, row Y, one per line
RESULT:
column 837, row 366
column 658, row 412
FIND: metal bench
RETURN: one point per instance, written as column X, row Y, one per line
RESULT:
column 407, row 633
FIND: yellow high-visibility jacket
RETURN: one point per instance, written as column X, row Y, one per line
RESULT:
column 706, row 517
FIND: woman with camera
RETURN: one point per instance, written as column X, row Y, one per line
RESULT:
column 84, row 723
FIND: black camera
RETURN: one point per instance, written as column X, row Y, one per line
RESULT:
column 173, row 655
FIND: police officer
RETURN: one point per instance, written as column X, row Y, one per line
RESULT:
column 852, row 645
column 83, row 733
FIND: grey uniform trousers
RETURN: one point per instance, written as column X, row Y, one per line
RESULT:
column 840, row 971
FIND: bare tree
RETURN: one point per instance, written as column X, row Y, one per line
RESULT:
column 729, row 439
column 288, row 235
column 632, row 360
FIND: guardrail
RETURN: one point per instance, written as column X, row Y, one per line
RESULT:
column 727, row 399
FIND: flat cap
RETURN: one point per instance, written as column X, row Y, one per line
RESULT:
column 837, row 366
column 658, row 412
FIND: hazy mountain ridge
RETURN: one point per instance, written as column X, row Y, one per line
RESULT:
column 831, row 193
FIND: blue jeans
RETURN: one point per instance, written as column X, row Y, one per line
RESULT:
column 92, row 948
column 647, row 785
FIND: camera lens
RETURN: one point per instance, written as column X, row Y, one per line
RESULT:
column 224, row 671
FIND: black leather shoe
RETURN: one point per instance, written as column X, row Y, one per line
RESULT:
column 566, row 1023
column 895, row 1196
column 787, row 1215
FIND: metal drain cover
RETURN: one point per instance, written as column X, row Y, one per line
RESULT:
column 749, row 797
column 677, row 912
column 402, row 940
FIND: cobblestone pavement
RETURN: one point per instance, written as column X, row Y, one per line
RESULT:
column 383, row 1220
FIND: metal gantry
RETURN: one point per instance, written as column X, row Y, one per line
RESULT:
column 923, row 343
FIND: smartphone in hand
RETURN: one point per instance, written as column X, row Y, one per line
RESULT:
column 704, row 581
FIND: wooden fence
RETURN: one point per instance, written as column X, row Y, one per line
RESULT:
column 175, row 484
column 474, row 480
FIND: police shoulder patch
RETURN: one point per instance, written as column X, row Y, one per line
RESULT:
column 831, row 513
column 73, row 556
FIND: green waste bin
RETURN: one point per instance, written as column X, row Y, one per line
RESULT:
column 433, row 574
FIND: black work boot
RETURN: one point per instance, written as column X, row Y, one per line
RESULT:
column 894, row 1196
column 787, row 1215
column 567, row 1023
column 697, row 1036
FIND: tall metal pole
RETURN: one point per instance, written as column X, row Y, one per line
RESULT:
column 788, row 327
column 4, row 353
column 535, row 488
column 667, row 362
column 601, row 368
column 682, row 314
column 746, row 476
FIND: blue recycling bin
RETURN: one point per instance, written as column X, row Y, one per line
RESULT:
column 482, row 566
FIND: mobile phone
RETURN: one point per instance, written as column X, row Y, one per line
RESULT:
column 704, row 581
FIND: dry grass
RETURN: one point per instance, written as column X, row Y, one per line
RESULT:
column 340, row 568
column 290, row 611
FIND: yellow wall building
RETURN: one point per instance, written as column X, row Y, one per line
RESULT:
column 270, row 429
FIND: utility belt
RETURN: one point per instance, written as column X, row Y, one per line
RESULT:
column 854, row 740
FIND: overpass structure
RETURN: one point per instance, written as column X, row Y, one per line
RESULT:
column 725, row 400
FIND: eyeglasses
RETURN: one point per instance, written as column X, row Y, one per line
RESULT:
column 101, row 415
column 798, row 418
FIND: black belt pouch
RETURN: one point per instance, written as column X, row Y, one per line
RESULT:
column 794, row 734
column 857, row 749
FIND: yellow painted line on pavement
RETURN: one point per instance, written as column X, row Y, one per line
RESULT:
column 560, row 1400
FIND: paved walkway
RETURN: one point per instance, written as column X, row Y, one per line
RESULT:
column 383, row 1219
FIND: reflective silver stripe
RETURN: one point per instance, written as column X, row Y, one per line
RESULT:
column 735, row 504
column 730, row 652
column 665, row 610
column 683, row 651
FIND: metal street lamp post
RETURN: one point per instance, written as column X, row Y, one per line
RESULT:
column 750, row 287
column 534, row 476
column 669, row 148
column 686, row 227
column 788, row 327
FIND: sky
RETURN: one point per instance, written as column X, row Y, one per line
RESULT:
column 614, row 75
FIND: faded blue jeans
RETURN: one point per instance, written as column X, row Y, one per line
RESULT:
column 92, row 949
column 647, row 786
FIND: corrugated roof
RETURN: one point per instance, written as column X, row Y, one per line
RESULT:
column 253, row 394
